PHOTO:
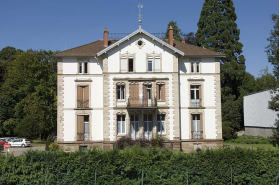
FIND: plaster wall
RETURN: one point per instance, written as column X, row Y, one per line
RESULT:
column 69, row 125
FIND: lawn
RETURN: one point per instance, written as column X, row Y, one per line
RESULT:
column 38, row 142
column 254, row 146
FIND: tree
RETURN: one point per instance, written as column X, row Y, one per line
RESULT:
column 265, row 80
column 272, row 51
column 218, row 31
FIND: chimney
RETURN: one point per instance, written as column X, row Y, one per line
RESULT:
column 106, row 37
column 170, row 35
column 183, row 41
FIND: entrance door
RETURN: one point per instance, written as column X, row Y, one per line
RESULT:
column 147, row 126
column 134, row 126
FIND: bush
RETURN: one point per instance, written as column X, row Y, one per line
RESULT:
column 54, row 147
column 48, row 142
column 245, row 139
column 128, row 142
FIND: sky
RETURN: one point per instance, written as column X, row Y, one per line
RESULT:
column 59, row 24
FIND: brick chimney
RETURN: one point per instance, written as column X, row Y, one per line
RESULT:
column 183, row 41
column 106, row 37
column 170, row 35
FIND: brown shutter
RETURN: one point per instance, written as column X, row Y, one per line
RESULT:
column 157, row 91
column 80, row 128
column 201, row 126
column 134, row 94
column 200, row 95
column 79, row 97
column 144, row 95
column 163, row 93
column 86, row 97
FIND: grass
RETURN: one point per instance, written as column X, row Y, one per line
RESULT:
column 38, row 142
column 254, row 146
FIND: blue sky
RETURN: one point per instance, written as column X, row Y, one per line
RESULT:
column 52, row 24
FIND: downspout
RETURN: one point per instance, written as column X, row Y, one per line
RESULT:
column 179, row 102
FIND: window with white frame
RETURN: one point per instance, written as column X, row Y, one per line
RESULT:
column 195, row 95
column 195, row 66
column 154, row 64
column 121, row 124
column 82, row 67
column 196, row 127
column 126, row 64
column 161, row 124
column 120, row 92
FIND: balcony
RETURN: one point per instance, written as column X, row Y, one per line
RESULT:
column 196, row 102
column 197, row 134
column 82, row 104
column 141, row 102
column 82, row 137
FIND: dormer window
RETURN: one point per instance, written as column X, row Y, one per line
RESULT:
column 195, row 67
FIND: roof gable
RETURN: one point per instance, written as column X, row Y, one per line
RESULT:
column 138, row 32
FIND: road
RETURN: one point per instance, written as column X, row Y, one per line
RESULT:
column 17, row 151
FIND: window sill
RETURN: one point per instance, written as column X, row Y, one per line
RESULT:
column 161, row 100
column 121, row 135
column 121, row 100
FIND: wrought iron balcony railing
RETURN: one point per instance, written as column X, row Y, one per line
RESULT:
column 142, row 102
column 196, row 102
column 83, row 104
column 197, row 135
column 82, row 137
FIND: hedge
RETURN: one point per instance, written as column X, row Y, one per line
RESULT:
column 134, row 165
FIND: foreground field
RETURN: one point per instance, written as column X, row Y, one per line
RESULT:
column 136, row 165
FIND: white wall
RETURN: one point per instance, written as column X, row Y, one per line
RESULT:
column 69, row 125
column 70, row 66
column 97, row 125
column 207, row 65
column 95, row 66
column 140, row 59
column 256, row 112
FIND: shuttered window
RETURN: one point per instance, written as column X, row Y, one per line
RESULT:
column 83, row 97
column 123, row 65
column 160, row 92
column 134, row 94
column 80, row 128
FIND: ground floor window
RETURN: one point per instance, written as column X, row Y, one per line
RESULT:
column 196, row 126
column 147, row 124
column 121, row 124
column 134, row 126
column 83, row 127
column 161, row 125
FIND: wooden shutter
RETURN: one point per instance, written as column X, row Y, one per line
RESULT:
column 134, row 94
column 163, row 92
column 86, row 97
column 123, row 65
column 200, row 95
column 80, row 128
column 79, row 93
column 157, row 92
column 144, row 89
column 201, row 125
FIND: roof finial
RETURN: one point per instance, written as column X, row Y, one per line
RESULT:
column 140, row 6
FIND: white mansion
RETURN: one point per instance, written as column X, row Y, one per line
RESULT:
column 139, row 86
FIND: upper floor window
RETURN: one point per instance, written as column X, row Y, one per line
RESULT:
column 153, row 64
column 195, row 95
column 83, row 67
column 160, row 92
column 195, row 67
column 126, row 64
column 121, row 92
column 83, row 97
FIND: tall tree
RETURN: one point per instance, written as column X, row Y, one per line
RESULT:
column 265, row 80
column 272, row 51
column 218, row 31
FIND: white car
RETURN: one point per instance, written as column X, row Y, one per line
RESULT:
column 20, row 142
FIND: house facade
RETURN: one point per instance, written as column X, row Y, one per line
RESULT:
column 139, row 86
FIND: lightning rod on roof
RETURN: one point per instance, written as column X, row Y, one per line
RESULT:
column 140, row 6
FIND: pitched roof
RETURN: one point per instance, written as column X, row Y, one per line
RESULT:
column 98, row 48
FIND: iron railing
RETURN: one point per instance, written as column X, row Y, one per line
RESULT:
column 83, row 104
column 82, row 137
column 142, row 102
column 196, row 102
column 197, row 135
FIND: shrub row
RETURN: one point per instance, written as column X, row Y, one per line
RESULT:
column 134, row 164
column 250, row 140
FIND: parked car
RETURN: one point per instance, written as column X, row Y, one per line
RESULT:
column 7, row 139
column 20, row 142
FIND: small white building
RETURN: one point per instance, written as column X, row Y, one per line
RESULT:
column 139, row 86
column 258, row 118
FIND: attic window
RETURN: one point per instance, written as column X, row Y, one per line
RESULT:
column 140, row 43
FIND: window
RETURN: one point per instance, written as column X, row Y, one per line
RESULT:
column 83, row 97
column 161, row 124
column 195, row 66
column 83, row 128
column 134, row 126
column 150, row 65
column 147, row 126
column 195, row 96
column 160, row 92
column 196, row 126
column 154, row 64
column 83, row 67
column 121, row 92
column 121, row 124
column 126, row 64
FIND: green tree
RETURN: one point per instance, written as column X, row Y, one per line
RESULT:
column 218, row 31
column 28, row 95
column 176, row 31
column 272, row 51
column 265, row 80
